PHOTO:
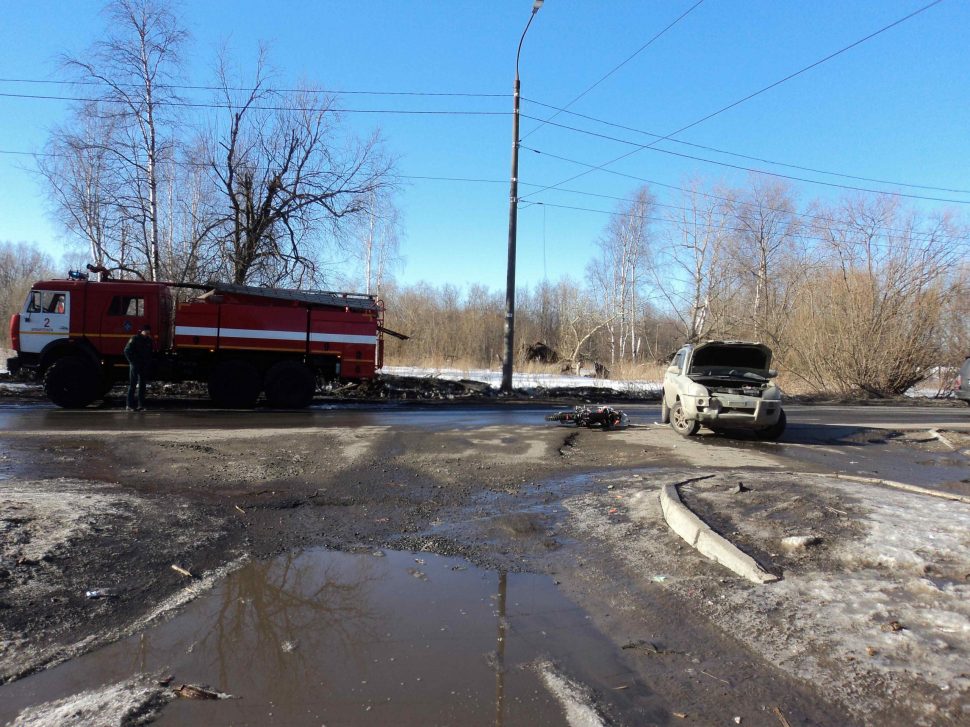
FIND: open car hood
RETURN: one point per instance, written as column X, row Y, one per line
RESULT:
column 723, row 356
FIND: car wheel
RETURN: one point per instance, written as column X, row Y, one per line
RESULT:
column 680, row 423
column 664, row 410
column 776, row 429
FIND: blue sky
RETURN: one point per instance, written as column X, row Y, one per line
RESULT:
column 894, row 108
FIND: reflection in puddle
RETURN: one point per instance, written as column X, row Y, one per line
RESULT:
column 326, row 638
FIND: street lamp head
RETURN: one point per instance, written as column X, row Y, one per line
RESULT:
column 536, row 5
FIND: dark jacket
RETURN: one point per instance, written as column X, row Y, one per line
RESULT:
column 139, row 351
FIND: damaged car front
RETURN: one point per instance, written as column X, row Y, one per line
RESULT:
column 723, row 385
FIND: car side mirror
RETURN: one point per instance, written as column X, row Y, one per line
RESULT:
column 772, row 373
column 673, row 369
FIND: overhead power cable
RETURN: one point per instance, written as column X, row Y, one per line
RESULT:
column 670, row 152
column 615, row 68
column 204, row 165
column 199, row 105
column 674, row 187
column 191, row 87
column 750, row 96
column 745, row 156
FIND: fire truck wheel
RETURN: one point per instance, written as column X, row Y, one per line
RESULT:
column 72, row 382
column 235, row 385
column 107, row 384
column 290, row 385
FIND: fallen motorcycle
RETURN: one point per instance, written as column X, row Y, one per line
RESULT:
column 602, row 416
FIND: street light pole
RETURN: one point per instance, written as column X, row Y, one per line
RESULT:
column 509, row 351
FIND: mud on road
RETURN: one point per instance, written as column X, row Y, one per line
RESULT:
column 112, row 511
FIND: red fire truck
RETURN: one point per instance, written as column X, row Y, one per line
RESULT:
column 241, row 340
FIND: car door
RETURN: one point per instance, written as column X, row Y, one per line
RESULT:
column 670, row 376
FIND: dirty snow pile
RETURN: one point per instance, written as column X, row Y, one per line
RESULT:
column 575, row 700
column 894, row 616
column 881, row 622
column 37, row 518
column 524, row 381
column 134, row 701
column 8, row 385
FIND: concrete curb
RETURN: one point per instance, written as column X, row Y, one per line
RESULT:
column 707, row 542
column 915, row 489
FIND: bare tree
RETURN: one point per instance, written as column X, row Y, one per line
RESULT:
column 193, row 216
column 77, row 168
column 871, row 320
column 580, row 319
column 376, row 242
column 287, row 178
column 767, row 231
column 537, row 319
column 134, row 67
column 955, row 333
column 617, row 274
column 691, row 273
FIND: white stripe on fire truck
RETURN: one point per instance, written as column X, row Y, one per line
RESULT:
column 274, row 335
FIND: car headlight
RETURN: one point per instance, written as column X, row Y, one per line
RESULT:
column 696, row 390
column 772, row 393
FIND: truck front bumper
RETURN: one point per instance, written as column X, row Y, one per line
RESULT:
column 742, row 412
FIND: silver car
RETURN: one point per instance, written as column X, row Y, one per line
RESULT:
column 722, row 385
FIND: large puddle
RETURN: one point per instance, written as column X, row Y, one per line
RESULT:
column 332, row 638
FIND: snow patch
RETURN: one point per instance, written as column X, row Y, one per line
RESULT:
column 525, row 380
column 911, row 533
column 895, row 612
column 52, row 513
column 133, row 701
column 167, row 607
column 574, row 699
column 880, row 620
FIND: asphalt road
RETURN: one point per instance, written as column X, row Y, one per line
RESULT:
column 882, row 417
column 819, row 437
column 806, row 422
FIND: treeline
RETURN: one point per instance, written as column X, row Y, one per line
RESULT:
column 450, row 326
column 860, row 295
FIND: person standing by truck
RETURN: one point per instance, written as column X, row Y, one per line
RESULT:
column 139, row 351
